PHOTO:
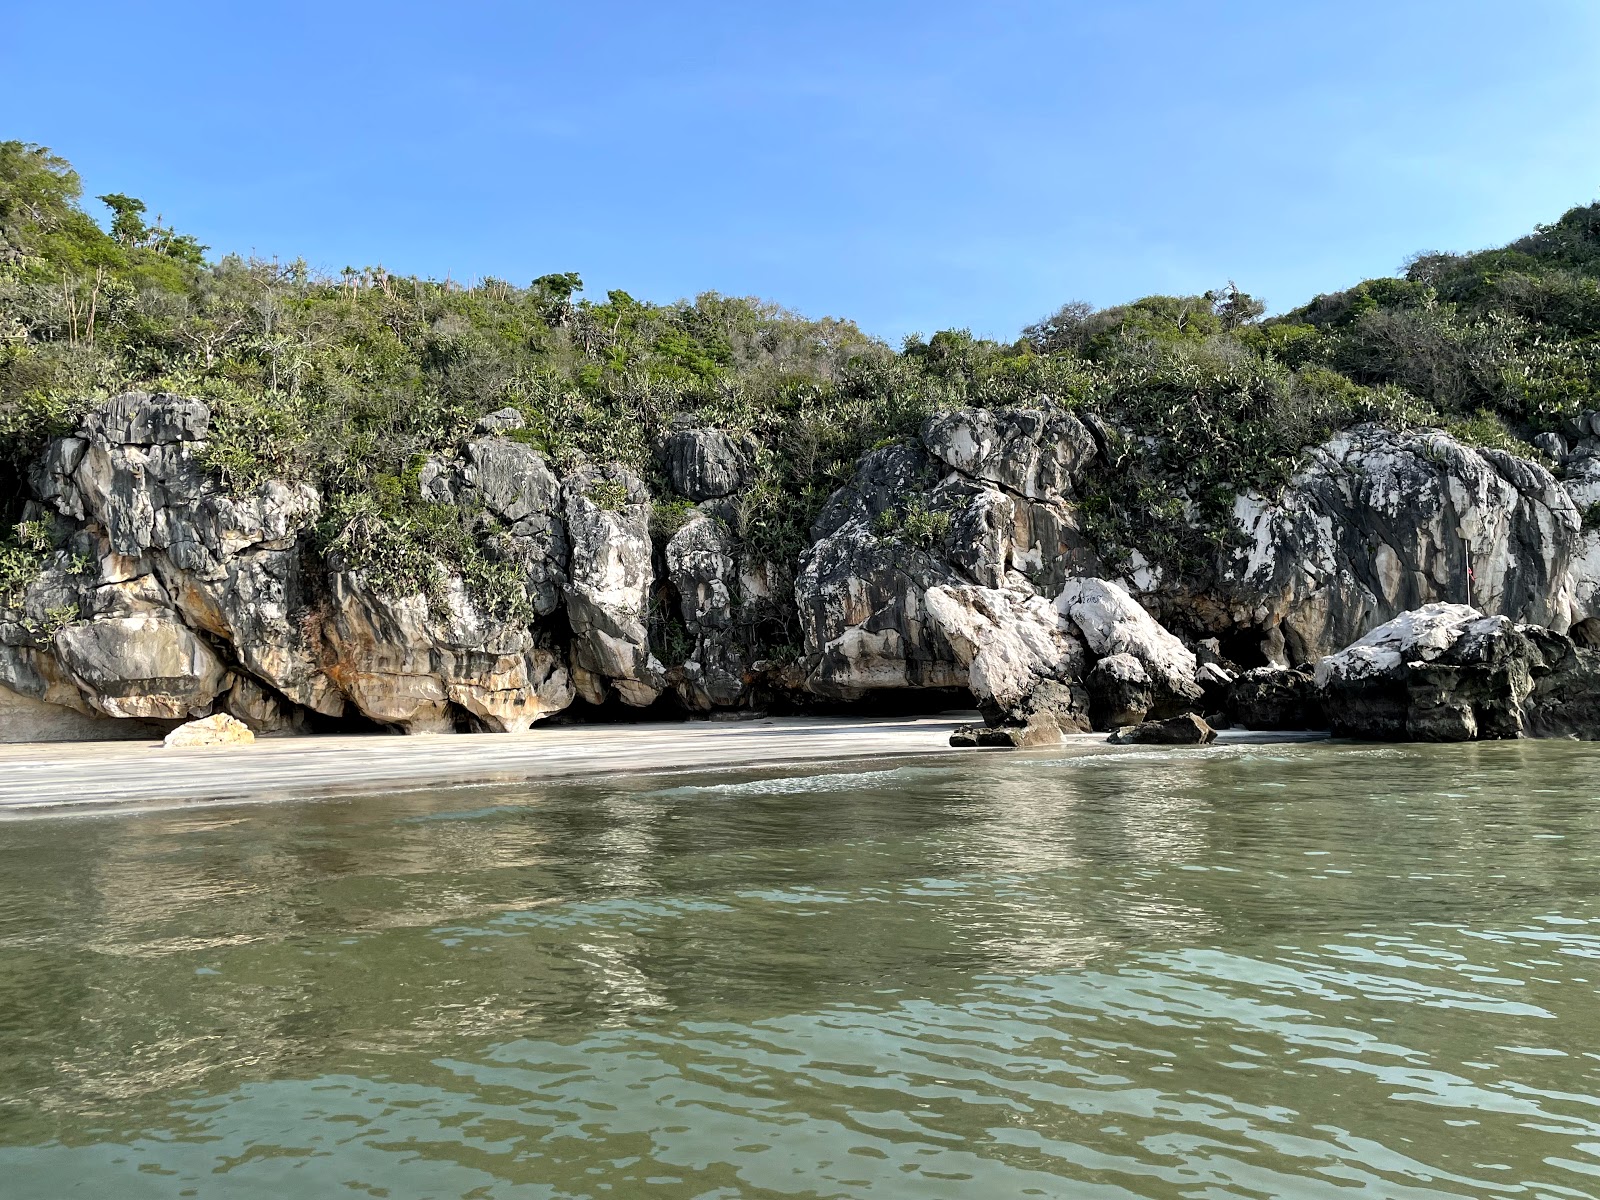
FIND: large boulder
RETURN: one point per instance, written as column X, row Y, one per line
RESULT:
column 1120, row 690
column 1035, row 453
column 141, row 666
column 1185, row 730
column 1379, row 523
column 1276, row 698
column 1138, row 657
column 704, row 464
column 1023, row 666
column 217, row 730
column 1441, row 673
column 1565, row 701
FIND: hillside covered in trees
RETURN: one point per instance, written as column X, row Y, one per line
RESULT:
column 348, row 380
column 480, row 448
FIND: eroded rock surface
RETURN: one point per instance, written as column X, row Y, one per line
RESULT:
column 953, row 563
column 608, row 592
column 704, row 464
column 1379, row 523
column 1185, row 730
column 1441, row 673
column 1023, row 665
column 217, row 730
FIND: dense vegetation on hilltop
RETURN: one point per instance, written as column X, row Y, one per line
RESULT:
column 348, row 380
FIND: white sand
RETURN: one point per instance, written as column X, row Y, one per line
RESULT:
column 36, row 777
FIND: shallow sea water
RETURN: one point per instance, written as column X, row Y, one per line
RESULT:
column 1307, row 970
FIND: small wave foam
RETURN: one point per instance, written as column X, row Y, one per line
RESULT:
column 793, row 785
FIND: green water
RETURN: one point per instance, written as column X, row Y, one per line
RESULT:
column 1268, row 971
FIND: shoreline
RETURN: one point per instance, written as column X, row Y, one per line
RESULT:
column 60, row 778
column 80, row 778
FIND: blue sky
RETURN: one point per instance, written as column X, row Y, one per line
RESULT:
column 913, row 166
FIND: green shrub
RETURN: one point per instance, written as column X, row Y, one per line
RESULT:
column 608, row 494
column 669, row 516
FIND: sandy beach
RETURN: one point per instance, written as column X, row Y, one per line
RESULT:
column 40, row 777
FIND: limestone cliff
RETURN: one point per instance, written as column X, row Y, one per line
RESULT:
column 955, row 562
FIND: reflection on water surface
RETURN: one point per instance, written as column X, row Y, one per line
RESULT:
column 1305, row 970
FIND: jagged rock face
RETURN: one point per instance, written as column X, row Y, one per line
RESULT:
column 513, row 484
column 1565, row 701
column 608, row 593
column 1379, row 523
column 859, row 590
column 1138, row 658
column 141, row 666
column 165, row 543
column 1033, row 453
column 1000, row 483
column 951, row 561
column 1276, row 698
column 860, row 599
column 703, row 569
column 703, row 464
column 1442, row 673
column 411, row 663
column 183, row 571
column 1021, row 661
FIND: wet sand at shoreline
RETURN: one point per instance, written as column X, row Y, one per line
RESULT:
column 45, row 778
column 40, row 777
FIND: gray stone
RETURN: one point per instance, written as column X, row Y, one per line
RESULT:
column 1379, row 523
column 1276, row 698
column 1184, row 730
column 502, row 420
column 1441, row 673
column 141, row 666
column 143, row 419
column 702, row 569
column 609, row 592
column 1120, row 692
column 704, row 464
column 1022, row 662
column 1552, row 444
column 1035, row 453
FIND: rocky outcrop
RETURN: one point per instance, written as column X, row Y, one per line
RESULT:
column 217, row 730
column 609, row 587
column 954, row 562
column 983, row 499
column 165, row 575
column 1185, row 730
column 1442, row 673
column 1023, row 665
column 859, row 591
column 704, row 464
column 1035, row 454
column 1143, row 670
column 431, row 667
column 1378, row 523
column 703, row 571
column 1276, row 698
